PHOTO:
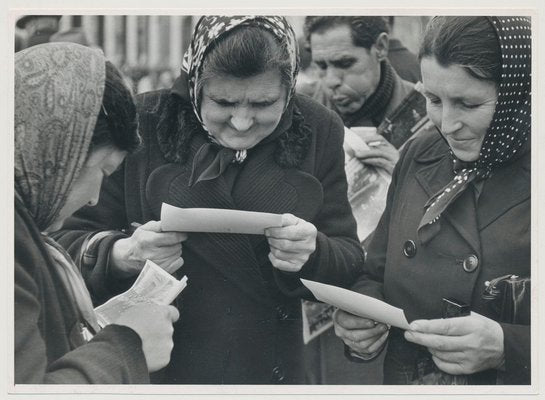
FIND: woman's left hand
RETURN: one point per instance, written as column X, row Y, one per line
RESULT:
column 292, row 244
column 462, row 345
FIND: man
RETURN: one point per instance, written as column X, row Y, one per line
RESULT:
column 357, row 79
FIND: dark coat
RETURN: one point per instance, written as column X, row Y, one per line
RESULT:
column 495, row 234
column 48, row 346
column 240, row 317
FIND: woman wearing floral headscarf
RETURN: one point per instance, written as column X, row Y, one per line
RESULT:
column 231, row 134
column 75, row 121
column 457, row 215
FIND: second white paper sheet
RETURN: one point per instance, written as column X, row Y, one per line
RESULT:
column 358, row 304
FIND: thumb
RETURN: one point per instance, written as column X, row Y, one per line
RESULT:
column 289, row 219
column 154, row 226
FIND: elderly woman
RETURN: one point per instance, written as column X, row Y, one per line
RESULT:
column 458, row 214
column 75, row 121
column 231, row 134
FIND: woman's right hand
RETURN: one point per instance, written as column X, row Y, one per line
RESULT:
column 129, row 255
column 362, row 335
column 153, row 323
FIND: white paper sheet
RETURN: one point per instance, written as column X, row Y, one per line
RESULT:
column 358, row 304
column 216, row 220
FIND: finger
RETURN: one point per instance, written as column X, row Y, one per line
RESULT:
column 351, row 321
column 378, row 344
column 173, row 313
column 360, row 335
column 449, row 356
column 284, row 265
column 153, row 226
column 377, row 162
column 300, row 232
column 291, row 246
column 444, row 326
column 287, row 256
column 449, row 368
column 174, row 266
column 289, row 219
column 437, row 342
column 164, row 239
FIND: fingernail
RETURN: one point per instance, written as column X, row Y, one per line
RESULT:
column 414, row 326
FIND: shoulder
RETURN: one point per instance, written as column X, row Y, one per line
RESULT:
column 316, row 114
column 428, row 146
column 152, row 102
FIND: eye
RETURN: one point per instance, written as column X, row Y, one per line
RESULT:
column 469, row 106
column 263, row 104
column 433, row 99
column 224, row 103
column 344, row 63
column 322, row 65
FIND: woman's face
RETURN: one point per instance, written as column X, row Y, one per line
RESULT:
column 101, row 162
column 460, row 105
column 240, row 112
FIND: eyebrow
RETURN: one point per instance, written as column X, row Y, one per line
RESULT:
column 270, row 99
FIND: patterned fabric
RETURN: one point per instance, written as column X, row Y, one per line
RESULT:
column 510, row 126
column 210, row 28
column 58, row 95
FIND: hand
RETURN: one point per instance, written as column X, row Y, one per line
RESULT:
column 292, row 244
column 153, row 323
column 363, row 335
column 462, row 345
column 129, row 255
column 381, row 153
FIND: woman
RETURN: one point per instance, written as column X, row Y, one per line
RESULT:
column 231, row 134
column 74, row 123
column 458, row 213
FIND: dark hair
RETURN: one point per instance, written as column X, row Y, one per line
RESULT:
column 116, row 122
column 467, row 41
column 364, row 30
column 246, row 51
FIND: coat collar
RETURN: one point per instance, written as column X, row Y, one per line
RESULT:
column 507, row 187
column 261, row 185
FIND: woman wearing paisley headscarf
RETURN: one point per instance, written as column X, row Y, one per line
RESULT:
column 232, row 134
column 75, row 121
column 457, row 215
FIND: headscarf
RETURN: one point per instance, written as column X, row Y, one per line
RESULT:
column 58, row 96
column 510, row 126
column 207, row 31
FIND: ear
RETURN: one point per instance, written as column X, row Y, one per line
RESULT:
column 381, row 46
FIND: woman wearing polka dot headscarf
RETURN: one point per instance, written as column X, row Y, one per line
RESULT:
column 458, row 214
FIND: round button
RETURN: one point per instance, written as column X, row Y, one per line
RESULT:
column 278, row 374
column 409, row 248
column 470, row 263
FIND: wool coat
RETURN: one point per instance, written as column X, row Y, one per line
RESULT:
column 481, row 237
column 49, row 347
column 240, row 318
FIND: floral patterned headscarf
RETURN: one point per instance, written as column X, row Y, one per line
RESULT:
column 210, row 28
column 510, row 126
column 58, row 95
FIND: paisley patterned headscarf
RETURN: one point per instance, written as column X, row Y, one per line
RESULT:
column 207, row 31
column 58, row 96
column 510, row 126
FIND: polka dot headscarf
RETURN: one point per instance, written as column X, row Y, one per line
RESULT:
column 510, row 126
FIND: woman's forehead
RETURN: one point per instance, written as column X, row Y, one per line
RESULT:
column 267, row 85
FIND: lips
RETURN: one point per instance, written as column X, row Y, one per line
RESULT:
column 341, row 100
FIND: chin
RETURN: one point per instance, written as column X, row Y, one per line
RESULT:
column 466, row 156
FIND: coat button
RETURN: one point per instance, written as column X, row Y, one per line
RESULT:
column 281, row 313
column 278, row 374
column 409, row 248
column 470, row 263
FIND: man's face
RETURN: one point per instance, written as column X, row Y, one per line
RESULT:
column 350, row 73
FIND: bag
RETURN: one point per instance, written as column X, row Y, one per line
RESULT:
column 509, row 298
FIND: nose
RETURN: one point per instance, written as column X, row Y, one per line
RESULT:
column 242, row 119
column 333, row 78
column 450, row 122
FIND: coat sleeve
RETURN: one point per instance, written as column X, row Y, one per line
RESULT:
column 114, row 355
column 89, row 235
column 338, row 257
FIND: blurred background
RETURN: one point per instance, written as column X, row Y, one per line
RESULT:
column 148, row 49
